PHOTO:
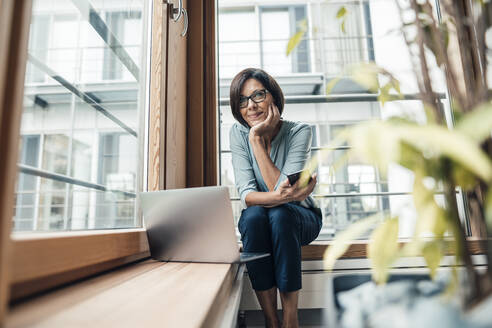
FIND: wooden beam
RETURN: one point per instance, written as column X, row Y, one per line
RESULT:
column 14, row 31
column 195, row 95
column 5, row 216
column 158, row 96
column 176, row 105
column 210, row 85
column 202, row 96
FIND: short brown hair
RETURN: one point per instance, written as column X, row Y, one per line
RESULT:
column 261, row 76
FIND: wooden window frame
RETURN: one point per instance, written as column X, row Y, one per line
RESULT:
column 14, row 29
column 31, row 264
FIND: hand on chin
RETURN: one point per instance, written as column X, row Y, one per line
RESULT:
column 256, row 122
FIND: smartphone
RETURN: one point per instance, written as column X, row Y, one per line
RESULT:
column 295, row 176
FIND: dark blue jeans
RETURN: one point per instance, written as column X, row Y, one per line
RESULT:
column 280, row 231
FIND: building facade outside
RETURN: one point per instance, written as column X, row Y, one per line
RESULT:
column 256, row 34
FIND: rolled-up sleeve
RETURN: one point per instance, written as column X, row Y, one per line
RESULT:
column 243, row 170
column 299, row 152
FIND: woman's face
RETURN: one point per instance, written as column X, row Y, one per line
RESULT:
column 254, row 113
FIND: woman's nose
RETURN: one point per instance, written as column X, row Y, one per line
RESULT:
column 251, row 104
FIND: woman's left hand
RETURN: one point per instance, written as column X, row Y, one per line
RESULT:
column 289, row 193
column 268, row 125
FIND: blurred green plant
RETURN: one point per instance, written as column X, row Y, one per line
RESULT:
column 460, row 157
column 294, row 41
column 342, row 17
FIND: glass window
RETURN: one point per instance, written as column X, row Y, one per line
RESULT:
column 356, row 189
column 277, row 26
column 80, row 165
column 27, row 184
column 239, row 46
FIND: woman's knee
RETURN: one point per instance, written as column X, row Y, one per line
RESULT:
column 253, row 217
column 281, row 217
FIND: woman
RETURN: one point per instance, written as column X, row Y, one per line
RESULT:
column 278, row 217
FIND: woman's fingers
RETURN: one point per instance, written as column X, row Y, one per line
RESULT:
column 275, row 110
column 275, row 114
column 305, row 191
column 270, row 115
column 312, row 183
column 314, row 178
column 284, row 184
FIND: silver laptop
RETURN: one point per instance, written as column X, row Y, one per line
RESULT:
column 192, row 225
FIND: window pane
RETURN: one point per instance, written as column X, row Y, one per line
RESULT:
column 239, row 46
column 82, row 112
column 275, row 29
column 356, row 189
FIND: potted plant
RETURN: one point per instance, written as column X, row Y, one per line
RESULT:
column 441, row 158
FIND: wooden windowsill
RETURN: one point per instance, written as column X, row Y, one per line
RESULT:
column 358, row 249
column 146, row 294
column 42, row 261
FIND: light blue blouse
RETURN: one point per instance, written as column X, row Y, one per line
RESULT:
column 290, row 150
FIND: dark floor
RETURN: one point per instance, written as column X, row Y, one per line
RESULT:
column 312, row 318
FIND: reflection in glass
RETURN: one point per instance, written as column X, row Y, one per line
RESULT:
column 81, row 115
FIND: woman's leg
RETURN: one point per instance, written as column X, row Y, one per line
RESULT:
column 289, row 309
column 268, row 303
column 292, row 226
column 255, row 234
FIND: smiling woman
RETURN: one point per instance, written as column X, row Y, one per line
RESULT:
column 278, row 217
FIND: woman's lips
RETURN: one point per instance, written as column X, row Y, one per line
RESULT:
column 255, row 116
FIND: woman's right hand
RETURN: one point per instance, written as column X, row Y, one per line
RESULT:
column 288, row 193
column 268, row 125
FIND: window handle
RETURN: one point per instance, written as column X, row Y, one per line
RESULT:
column 176, row 15
column 185, row 29
column 177, row 11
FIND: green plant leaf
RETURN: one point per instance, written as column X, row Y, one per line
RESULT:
column 396, row 85
column 342, row 12
column 463, row 178
column 294, row 41
column 342, row 15
column 439, row 141
column 433, row 254
column 376, row 143
column 342, row 240
column 409, row 157
column 383, row 249
column 384, row 94
column 379, row 143
column 431, row 218
column 477, row 124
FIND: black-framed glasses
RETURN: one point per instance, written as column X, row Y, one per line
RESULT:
column 258, row 96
